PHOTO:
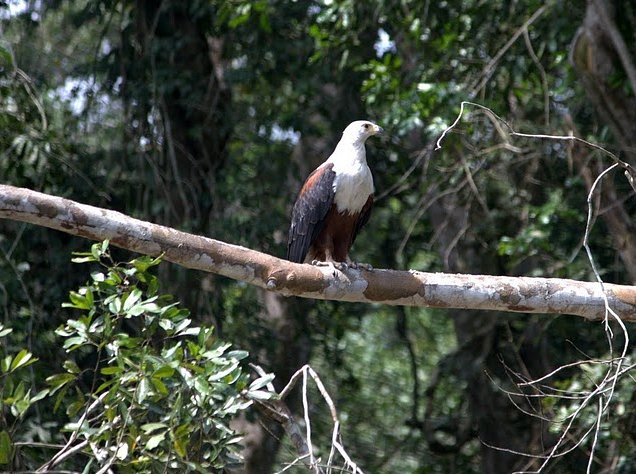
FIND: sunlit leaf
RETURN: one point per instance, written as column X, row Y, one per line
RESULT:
column 261, row 382
column 21, row 359
column 154, row 441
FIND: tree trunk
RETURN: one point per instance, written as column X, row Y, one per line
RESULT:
column 598, row 54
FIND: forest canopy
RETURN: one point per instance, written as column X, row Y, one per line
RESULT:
column 206, row 117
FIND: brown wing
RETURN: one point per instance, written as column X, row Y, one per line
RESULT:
column 365, row 213
column 311, row 207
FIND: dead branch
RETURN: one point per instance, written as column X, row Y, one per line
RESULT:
column 408, row 288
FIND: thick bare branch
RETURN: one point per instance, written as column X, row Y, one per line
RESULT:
column 408, row 288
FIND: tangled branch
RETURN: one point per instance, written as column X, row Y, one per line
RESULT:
column 575, row 431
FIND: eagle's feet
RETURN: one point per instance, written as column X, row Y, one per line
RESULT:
column 361, row 266
column 341, row 266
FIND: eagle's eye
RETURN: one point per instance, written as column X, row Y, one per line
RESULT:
column 366, row 126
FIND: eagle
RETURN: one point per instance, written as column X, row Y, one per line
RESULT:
column 335, row 201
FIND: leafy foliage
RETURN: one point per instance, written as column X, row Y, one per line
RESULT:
column 143, row 387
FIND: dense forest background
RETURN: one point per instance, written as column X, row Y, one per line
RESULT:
column 207, row 115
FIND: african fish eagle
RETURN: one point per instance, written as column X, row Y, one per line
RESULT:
column 335, row 201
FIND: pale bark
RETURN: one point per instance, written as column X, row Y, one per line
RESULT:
column 393, row 287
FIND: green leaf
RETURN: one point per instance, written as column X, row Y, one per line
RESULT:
column 182, row 325
column 111, row 370
column 4, row 331
column 131, row 299
column 114, row 306
column 40, row 395
column 201, row 385
column 154, row 441
column 261, row 382
column 6, row 448
column 260, row 394
column 82, row 259
column 5, row 363
column 143, row 390
column 22, row 359
column 150, row 427
column 77, row 301
column 71, row 367
column 57, row 381
column 142, row 264
column 180, row 441
column 98, row 249
column 222, row 373
column 159, row 386
column 73, row 343
column 238, row 354
column 163, row 372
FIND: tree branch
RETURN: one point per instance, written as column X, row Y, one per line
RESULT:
column 408, row 288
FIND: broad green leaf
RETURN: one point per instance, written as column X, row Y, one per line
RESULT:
column 180, row 439
column 238, row 354
column 222, row 373
column 115, row 305
column 261, row 382
column 154, row 441
column 40, row 395
column 6, row 448
column 159, row 386
column 5, row 363
column 166, row 325
column 150, row 427
column 201, row 385
column 4, row 331
column 111, row 370
column 260, row 394
column 193, row 331
column 163, row 372
column 182, row 325
column 57, row 381
column 131, row 299
column 144, row 263
column 71, row 366
column 77, row 301
column 143, row 390
column 106, row 385
column 21, row 359
column 73, row 343
column 180, row 446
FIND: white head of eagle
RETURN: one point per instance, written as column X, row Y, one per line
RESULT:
column 335, row 201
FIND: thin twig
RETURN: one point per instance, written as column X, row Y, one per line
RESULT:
column 544, row 77
column 62, row 454
column 489, row 69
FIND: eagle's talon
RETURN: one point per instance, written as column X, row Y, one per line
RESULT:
column 361, row 266
column 340, row 266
